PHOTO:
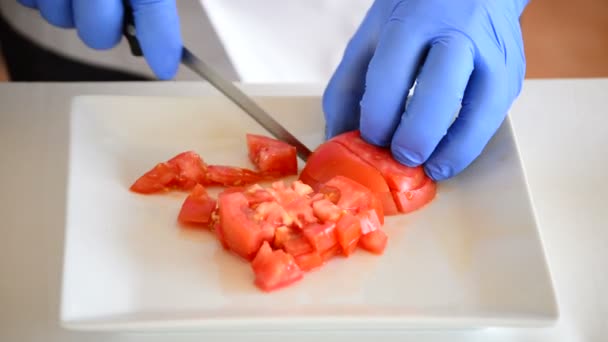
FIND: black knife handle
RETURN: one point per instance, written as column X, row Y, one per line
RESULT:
column 129, row 30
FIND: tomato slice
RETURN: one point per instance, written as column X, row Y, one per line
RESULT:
column 331, row 159
column 374, row 242
column 412, row 200
column 160, row 178
column 322, row 236
column 269, row 154
column 274, row 269
column 242, row 233
column 398, row 176
column 348, row 232
column 191, row 169
column 197, row 208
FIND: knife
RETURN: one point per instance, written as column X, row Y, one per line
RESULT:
column 224, row 86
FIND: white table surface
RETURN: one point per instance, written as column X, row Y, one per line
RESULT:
column 561, row 128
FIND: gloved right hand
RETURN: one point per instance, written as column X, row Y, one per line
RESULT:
column 100, row 22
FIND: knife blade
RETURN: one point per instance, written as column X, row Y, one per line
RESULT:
column 226, row 87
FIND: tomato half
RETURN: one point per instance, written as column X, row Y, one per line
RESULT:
column 197, row 208
column 274, row 269
column 269, row 154
column 412, row 200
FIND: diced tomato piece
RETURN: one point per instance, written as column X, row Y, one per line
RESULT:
column 274, row 269
column 412, row 200
column 301, row 188
column 272, row 213
column 321, row 236
column 398, row 176
column 326, row 211
column 197, row 207
column 301, row 212
column 191, row 169
column 160, row 178
column 309, row 261
column 242, row 234
column 348, row 232
column 374, row 242
column 271, row 155
column 331, row 159
column 232, row 175
column 298, row 246
column 219, row 233
column 369, row 221
column 331, row 252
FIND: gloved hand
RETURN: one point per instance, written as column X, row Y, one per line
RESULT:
column 99, row 24
column 466, row 52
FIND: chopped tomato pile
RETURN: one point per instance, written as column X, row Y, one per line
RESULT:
column 287, row 229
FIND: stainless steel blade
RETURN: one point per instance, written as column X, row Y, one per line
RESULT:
column 244, row 102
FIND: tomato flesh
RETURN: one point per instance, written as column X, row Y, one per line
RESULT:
column 271, row 155
column 321, row 236
column 309, row 261
column 374, row 242
column 348, row 232
column 160, row 178
column 197, row 208
column 191, row 169
column 274, row 269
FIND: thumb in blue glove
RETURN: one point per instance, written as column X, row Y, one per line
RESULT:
column 99, row 24
column 464, row 57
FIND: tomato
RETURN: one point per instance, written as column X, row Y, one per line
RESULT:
column 369, row 221
column 398, row 176
column 242, row 234
column 348, row 232
column 321, row 236
column 374, row 242
column 331, row 159
column 309, row 261
column 326, row 211
column 269, row 154
column 191, row 169
column 274, row 269
column 414, row 199
column 197, row 207
column 353, row 196
column 232, row 175
column 160, row 178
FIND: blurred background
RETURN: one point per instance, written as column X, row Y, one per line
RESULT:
column 563, row 38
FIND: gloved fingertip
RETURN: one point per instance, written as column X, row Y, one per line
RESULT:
column 375, row 139
column 165, row 64
column 57, row 17
column 438, row 172
column 406, row 156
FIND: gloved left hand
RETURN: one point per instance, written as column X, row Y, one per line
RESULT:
column 99, row 24
column 466, row 52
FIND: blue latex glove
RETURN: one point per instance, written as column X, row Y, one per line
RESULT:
column 459, row 52
column 99, row 24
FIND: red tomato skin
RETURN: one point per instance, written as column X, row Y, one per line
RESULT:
column 374, row 242
column 398, row 176
column 413, row 200
column 160, row 178
column 274, row 269
column 331, row 159
column 197, row 208
column 241, row 233
column 309, row 261
column 271, row 155
column 348, row 232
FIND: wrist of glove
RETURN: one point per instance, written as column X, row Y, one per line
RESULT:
column 466, row 59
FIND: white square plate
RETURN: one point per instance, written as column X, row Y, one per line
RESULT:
column 472, row 258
